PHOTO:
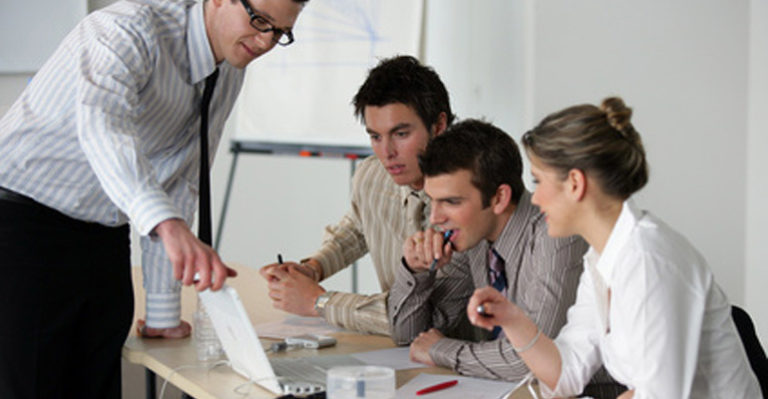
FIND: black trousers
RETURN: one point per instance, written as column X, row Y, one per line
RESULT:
column 66, row 304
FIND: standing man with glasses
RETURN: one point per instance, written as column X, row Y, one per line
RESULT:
column 110, row 131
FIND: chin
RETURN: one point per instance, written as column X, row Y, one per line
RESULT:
column 241, row 60
column 401, row 180
column 240, row 64
column 461, row 246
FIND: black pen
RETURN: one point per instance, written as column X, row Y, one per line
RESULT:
column 280, row 259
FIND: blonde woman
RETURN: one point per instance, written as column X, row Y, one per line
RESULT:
column 647, row 306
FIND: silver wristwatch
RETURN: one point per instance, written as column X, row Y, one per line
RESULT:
column 320, row 302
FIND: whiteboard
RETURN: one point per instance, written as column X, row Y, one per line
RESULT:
column 302, row 93
column 31, row 30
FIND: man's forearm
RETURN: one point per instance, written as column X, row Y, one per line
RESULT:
column 356, row 312
column 490, row 359
column 408, row 304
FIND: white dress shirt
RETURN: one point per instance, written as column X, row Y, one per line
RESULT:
column 108, row 129
column 657, row 321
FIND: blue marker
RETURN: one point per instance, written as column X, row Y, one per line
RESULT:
column 446, row 236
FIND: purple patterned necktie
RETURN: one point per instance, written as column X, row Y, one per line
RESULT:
column 496, row 271
column 498, row 279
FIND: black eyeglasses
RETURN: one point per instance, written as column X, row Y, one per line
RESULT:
column 279, row 36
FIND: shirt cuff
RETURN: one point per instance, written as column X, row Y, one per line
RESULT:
column 149, row 209
column 420, row 279
column 327, row 259
column 163, row 309
column 445, row 352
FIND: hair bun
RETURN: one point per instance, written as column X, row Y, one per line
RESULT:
column 617, row 113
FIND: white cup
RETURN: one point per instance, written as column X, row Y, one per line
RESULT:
column 356, row 382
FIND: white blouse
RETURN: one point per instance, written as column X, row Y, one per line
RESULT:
column 648, row 309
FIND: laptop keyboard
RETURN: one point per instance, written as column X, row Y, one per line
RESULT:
column 295, row 369
column 311, row 369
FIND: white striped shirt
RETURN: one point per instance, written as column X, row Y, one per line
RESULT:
column 108, row 130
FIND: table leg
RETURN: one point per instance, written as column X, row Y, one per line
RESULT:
column 149, row 383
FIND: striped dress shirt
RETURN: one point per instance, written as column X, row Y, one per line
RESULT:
column 108, row 130
column 378, row 223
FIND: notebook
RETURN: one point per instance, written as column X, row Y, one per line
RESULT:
column 247, row 357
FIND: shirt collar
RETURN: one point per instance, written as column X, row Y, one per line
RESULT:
column 515, row 228
column 622, row 230
column 406, row 191
column 201, row 60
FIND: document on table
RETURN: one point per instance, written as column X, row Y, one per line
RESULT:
column 294, row 325
column 396, row 358
column 468, row 387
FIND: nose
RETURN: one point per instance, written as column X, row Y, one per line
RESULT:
column 390, row 148
column 534, row 197
column 436, row 215
column 263, row 41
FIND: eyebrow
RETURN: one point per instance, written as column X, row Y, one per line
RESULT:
column 271, row 19
column 263, row 14
column 447, row 198
column 395, row 128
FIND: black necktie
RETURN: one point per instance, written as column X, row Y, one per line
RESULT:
column 204, row 222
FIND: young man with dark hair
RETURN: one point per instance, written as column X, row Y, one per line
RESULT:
column 112, row 129
column 403, row 105
column 473, row 176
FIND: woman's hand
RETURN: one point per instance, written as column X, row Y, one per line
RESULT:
column 497, row 310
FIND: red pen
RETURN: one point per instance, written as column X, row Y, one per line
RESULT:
column 437, row 387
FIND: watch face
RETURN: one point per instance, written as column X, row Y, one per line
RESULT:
column 321, row 300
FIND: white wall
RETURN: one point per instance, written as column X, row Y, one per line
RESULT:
column 757, row 170
column 683, row 68
column 476, row 49
column 11, row 85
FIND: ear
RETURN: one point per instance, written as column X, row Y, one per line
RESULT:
column 576, row 184
column 439, row 127
column 501, row 199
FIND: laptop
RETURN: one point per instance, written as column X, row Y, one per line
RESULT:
column 301, row 375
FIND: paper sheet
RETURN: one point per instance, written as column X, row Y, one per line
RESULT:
column 468, row 387
column 396, row 358
column 294, row 325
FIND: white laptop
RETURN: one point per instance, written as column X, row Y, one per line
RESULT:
column 247, row 356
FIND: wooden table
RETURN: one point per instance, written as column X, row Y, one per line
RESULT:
column 176, row 360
